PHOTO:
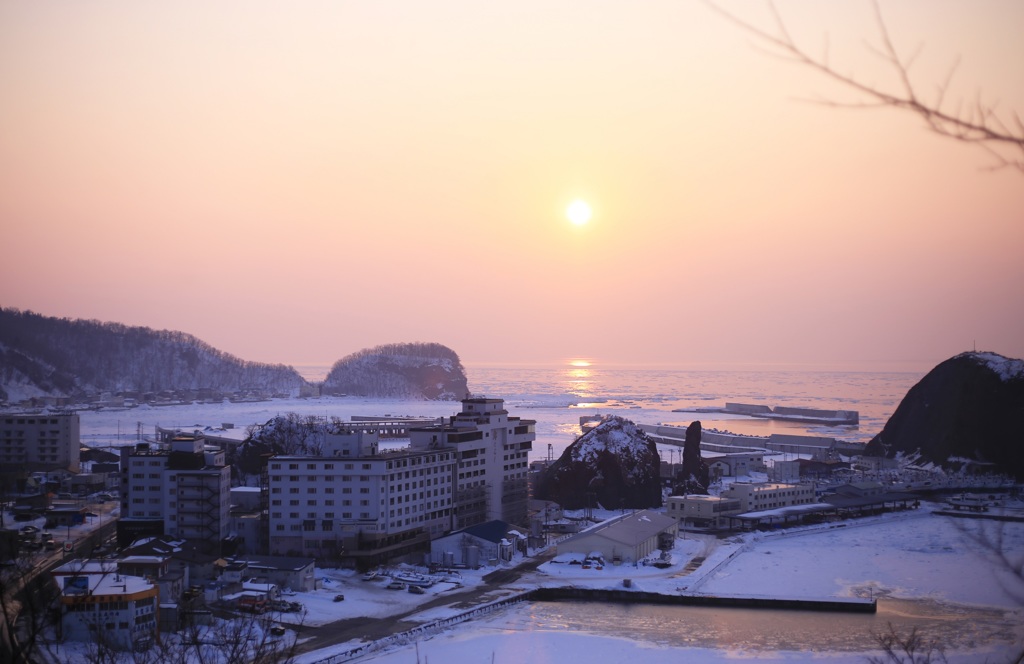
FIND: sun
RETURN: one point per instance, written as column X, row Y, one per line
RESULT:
column 578, row 212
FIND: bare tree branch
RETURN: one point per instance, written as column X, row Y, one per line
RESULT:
column 979, row 126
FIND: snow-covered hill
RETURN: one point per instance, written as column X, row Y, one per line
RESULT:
column 400, row 371
column 615, row 463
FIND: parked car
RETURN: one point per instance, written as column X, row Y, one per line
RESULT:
column 339, row 598
column 395, row 585
column 277, row 630
column 416, row 590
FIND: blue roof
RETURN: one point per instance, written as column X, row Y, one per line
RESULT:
column 492, row 531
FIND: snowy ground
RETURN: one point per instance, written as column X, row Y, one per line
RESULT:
column 911, row 555
column 369, row 599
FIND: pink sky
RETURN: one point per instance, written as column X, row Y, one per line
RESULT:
column 295, row 182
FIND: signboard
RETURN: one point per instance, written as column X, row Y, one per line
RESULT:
column 73, row 584
column 69, row 547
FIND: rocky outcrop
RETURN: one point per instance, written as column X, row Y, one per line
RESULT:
column 400, row 371
column 695, row 475
column 615, row 465
column 966, row 412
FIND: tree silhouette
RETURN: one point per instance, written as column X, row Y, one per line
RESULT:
column 976, row 123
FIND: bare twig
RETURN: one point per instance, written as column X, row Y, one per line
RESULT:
column 979, row 126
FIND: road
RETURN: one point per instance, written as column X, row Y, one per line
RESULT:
column 371, row 629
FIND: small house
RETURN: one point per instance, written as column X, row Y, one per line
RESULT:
column 485, row 543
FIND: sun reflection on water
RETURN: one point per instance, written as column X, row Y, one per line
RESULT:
column 579, row 378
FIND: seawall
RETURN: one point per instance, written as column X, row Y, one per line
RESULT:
column 851, row 605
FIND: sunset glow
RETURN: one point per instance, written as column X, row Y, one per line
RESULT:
column 294, row 186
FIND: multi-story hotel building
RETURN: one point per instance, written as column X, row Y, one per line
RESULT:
column 492, row 452
column 39, row 442
column 180, row 488
column 357, row 504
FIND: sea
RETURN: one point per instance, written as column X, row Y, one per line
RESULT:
column 557, row 395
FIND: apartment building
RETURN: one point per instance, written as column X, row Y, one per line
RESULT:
column 180, row 488
column 357, row 504
column 755, row 496
column 40, row 442
column 492, row 451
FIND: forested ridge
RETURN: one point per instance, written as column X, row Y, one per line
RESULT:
column 47, row 355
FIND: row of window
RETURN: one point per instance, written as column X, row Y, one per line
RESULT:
column 325, row 525
column 314, row 466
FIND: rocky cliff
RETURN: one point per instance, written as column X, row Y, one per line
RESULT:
column 400, row 371
column 966, row 412
column 615, row 465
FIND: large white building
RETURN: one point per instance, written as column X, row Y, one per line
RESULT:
column 357, row 504
column 40, row 442
column 180, row 489
column 492, row 451
column 755, row 496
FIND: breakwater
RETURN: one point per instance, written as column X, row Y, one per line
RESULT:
column 851, row 605
column 791, row 413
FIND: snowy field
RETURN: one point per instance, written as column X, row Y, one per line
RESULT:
column 913, row 556
column 369, row 599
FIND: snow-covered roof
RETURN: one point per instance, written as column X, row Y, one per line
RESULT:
column 105, row 584
column 782, row 512
column 98, row 567
column 143, row 560
column 629, row 529
column 701, row 498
